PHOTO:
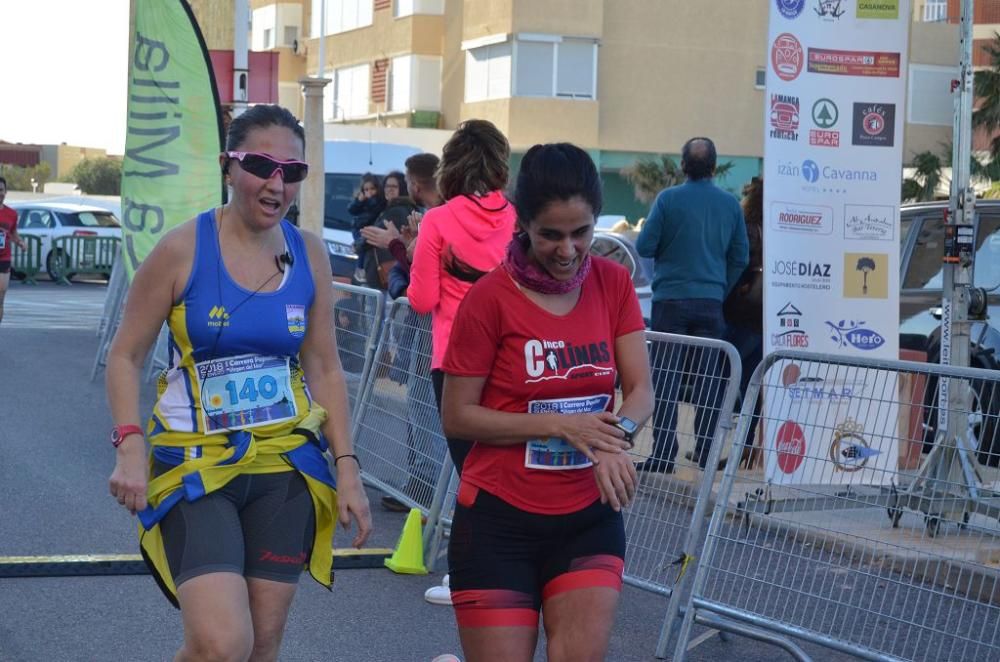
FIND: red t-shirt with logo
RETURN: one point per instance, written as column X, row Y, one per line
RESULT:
column 535, row 361
column 8, row 223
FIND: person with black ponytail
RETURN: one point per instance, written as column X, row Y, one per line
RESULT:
column 530, row 371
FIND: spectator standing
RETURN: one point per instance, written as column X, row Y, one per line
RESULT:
column 365, row 208
column 697, row 237
column 8, row 236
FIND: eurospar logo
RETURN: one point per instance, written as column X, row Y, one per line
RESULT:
column 853, row 63
column 869, row 222
column 790, row 333
column 851, row 333
column 874, row 124
column 798, row 217
column 824, row 115
column 786, row 56
column 784, row 117
column 790, row 9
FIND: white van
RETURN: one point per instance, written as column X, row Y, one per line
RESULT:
column 345, row 162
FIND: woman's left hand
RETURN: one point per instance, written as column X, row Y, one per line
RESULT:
column 616, row 478
column 352, row 501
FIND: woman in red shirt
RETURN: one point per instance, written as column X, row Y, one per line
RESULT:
column 530, row 375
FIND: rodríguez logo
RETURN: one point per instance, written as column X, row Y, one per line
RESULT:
column 790, row 9
column 869, row 222
column 853, row 63
column 786, row 56
column 874, row 124
column 798, row 217
column 790, row 447
column 784, row 117
column 853, row 333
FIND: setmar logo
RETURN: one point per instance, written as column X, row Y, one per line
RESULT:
column 853, row 63
column 217, row 316
column 830, row 10
column 874, row 124
column 866, row 275
column 870, row 222
column 879, row 9
column 790, row 9
column 790, row 333
column 784, row 117
column 851, row 333
column 825, row 115
column 786, row 56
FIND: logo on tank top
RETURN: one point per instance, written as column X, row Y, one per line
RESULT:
column 545, row 360
column 296, row 316
column 218, row 317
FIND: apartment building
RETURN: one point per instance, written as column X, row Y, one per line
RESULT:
column 625, row 79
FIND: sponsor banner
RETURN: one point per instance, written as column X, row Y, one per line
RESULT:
column 823, row 426
column 853, row 63
column 834, row 107
column 170, row 172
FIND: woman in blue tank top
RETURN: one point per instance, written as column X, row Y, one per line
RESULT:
column 235, row 495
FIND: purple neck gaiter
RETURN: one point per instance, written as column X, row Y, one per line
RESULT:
column 528, row 274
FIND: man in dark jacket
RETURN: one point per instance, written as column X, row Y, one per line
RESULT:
column 696, row 235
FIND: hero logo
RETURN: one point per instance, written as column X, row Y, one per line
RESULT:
column 786, row 56
column 790, row 446
column 853, row 333
column 790, row 9
column 790, row 333
column 798, row 274
column 797, row 217
column 872, row 222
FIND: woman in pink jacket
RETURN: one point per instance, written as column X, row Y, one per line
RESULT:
column 463, row 239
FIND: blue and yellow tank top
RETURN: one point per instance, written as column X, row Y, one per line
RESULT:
column 234, row 353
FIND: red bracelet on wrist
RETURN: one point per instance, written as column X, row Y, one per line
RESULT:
column 120, row 432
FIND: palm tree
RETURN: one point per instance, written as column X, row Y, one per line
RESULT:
column 649, row 177
column 986, row 86
column 865, row 265
column 924, row 182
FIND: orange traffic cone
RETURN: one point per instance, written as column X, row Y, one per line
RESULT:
column 408, row 559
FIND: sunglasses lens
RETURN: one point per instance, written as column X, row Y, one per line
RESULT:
column 263, row 167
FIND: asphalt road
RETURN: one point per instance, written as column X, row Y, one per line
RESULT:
column 54, row 500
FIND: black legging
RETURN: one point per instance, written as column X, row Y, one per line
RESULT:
column 457, row 448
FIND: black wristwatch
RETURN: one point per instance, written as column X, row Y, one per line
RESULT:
column 629, row 427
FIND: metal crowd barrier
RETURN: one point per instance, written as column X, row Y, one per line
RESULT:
column 397, row 429
column 696, row 382
column 871, row 531
column 27, row 261
column 114, row 295
column 357, row 318
column 83, row 254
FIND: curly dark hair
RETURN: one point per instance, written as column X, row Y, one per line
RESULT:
column 475, row 160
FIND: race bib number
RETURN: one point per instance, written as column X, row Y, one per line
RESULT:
column 555, row 453
column 247, row 391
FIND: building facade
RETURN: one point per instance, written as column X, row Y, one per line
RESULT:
column 625, row 79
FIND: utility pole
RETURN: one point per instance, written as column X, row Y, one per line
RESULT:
column 241, row 68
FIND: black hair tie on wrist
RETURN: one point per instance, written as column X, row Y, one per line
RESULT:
column 338, row 458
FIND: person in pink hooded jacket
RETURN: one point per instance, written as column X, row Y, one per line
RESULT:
column 463, row 239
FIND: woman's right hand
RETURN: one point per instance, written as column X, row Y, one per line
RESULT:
column 128, row 480
column 590, row 432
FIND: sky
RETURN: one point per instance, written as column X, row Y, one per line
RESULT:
column 65, row 72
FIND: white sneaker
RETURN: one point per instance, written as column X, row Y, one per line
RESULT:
column 447, row 657
column 439, row 595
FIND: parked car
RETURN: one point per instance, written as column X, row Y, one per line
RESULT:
column 921, row 278
column 345, row 161
column 50, row 220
